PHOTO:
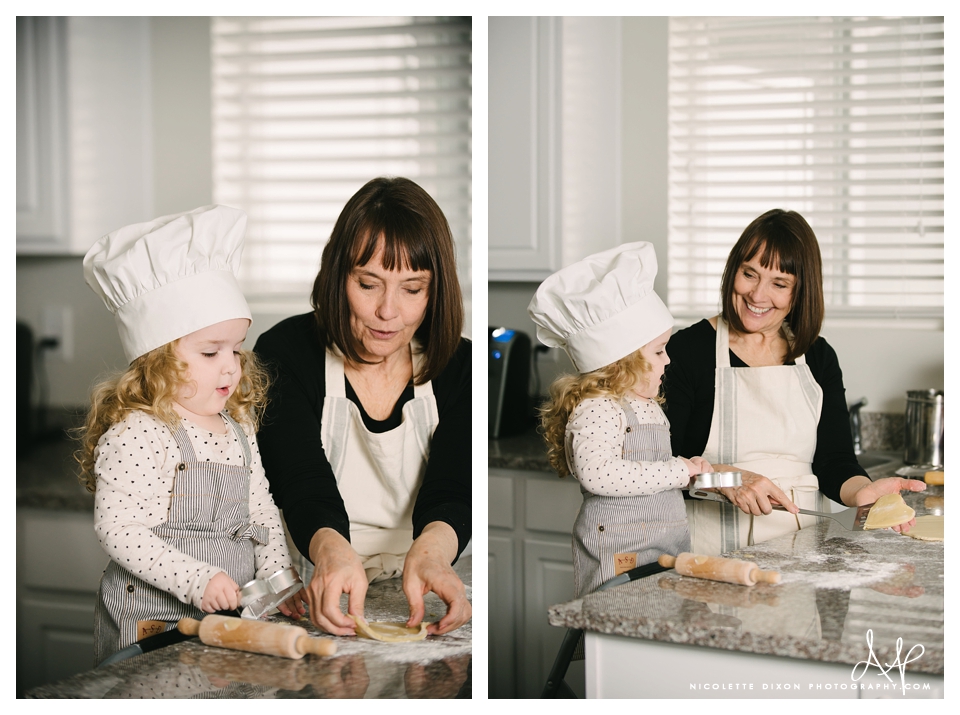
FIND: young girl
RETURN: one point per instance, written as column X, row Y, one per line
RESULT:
column 605, row 425
column 183, row 507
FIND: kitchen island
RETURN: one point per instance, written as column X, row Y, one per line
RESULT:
column 438, row 667
column 671, row 636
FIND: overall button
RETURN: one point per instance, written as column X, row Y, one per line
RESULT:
column 129, row 588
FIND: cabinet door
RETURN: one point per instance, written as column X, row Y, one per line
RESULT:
column 500, row 615
column 59, row 564
column 41, row 127
column 548, row 580
column 523, row 147
column 55, row 638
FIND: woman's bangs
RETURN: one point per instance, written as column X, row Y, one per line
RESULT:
column 778, row 253
column 402, row 249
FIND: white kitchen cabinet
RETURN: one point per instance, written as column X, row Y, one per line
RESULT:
column 671, row 671
column 554, row 88
column 531, row 517
column 59, row 564
column 523, row 147
column 84, row 142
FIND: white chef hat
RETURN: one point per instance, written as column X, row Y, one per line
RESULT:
column 171, row 276
column 602, row 308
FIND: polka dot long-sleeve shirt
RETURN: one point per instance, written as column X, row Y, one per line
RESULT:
column 135, row 466
column 594, row 445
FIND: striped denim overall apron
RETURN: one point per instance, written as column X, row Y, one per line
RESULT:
column 647, row 525
column 765, row 421
column 209, row 520
column 378, row 474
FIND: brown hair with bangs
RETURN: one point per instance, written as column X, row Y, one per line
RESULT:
column 415, row 235
column 784, row 242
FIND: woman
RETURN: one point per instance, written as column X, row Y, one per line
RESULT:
column 757, row 390
column 366, row 440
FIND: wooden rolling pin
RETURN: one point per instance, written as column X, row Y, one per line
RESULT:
column 934, row 477
column 256, row 636
column 717, row 568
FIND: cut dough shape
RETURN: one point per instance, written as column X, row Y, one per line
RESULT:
column 928, row 528
column 889, row 510
column 390, row 632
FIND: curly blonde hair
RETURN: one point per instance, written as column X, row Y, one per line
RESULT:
column 150, row 384
column 568, row 391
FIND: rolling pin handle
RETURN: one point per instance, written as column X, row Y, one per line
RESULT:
column 317, row 646
column 667, row 561
column 766, row 576
column 189, row 626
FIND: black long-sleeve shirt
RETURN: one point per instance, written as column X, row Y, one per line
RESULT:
column 690, row 383
column 301, row 479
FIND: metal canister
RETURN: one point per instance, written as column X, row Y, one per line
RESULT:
column 923, row 443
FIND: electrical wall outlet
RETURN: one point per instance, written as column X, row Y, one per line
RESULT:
column 57, row 327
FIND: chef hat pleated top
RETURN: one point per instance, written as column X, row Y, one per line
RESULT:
column 170, row 277
column 603, row 307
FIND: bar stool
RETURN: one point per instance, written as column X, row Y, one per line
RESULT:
column 572, row 646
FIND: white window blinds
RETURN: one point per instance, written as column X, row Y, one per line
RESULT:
column 838, row 118
column 307, row 110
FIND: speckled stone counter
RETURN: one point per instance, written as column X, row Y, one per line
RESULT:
column 47, row 478
column 438, row 667
column 836, row 585
column 525, row 451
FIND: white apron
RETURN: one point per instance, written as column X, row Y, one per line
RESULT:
column 378, row 475
column 765, row 421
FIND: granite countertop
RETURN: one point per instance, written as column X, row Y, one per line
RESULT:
column 836, row 585
column 47, row 477
column 526, row 451
column 438, row 667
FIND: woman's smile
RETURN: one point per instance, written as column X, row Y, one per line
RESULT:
column 763, row 297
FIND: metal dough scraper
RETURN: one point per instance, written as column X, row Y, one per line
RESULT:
column 260, row 596
column 851, row 519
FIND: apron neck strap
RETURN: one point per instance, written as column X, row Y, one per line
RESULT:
column 723, row 344
column 335, row 381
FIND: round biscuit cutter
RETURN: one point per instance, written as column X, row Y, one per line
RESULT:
column 260, row 596
column 715, row 480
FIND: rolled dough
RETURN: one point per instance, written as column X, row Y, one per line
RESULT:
column 390, row 632
column 928, row 528
column 889, row 510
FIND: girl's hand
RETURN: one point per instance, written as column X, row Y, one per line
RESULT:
column 427, row 568
column 868, row 492
column 221, row 594
column 697, row 465
column 756, row 494
column 337, row 570
column 293, row 606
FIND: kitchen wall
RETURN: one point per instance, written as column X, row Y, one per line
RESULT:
column 880, row 360
column 182, row 179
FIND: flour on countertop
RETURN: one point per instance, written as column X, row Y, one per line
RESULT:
column 840, row 574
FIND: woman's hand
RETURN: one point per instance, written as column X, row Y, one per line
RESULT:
column 337, row 570
column 427, row 568
column 221, row 594
column 859, row 491
column 293, row 606
column 756, row 493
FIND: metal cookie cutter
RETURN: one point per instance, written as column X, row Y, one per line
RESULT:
column 715, row 480
column 260, row 596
